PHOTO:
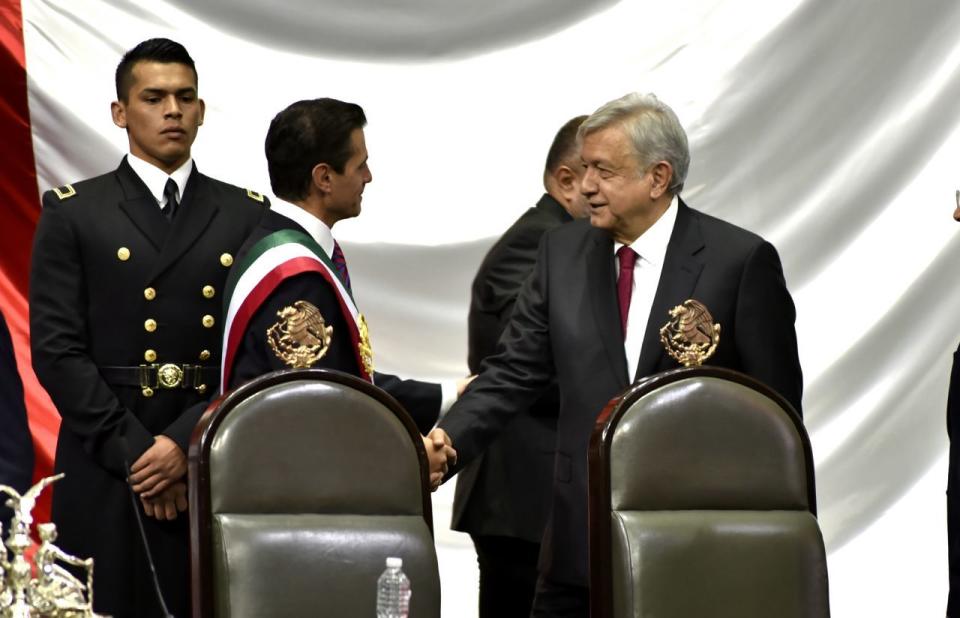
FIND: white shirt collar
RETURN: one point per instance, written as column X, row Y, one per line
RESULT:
column 651, row 246
column 317, row 229
column 156, row 179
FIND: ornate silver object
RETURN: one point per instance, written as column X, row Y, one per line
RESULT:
column 43, row 588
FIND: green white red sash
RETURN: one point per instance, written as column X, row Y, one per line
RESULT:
column 273, row 259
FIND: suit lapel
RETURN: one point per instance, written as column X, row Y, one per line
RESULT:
column 603, row 293
column 681, row 269
column 193, row 216
column 141, row 207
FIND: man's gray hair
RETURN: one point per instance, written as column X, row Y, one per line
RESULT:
column 653, row 129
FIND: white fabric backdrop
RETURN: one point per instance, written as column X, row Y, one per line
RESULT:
column 830, row 127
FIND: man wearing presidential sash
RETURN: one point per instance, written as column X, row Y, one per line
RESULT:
column 289, row 299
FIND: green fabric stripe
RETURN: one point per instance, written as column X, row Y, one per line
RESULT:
column 281, row 237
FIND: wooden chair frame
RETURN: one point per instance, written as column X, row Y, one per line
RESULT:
column 598, row 514
column 198, row 466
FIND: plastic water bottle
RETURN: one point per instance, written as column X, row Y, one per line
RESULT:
column 393, row 591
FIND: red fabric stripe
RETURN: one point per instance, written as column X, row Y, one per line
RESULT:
column 18, row 219
column 259, row 294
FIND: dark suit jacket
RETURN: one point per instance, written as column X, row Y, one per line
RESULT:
column 953, row 490
column 566, row 326
column 16, row 446
column 254, row 357
column 88, row 309
column 506, row 490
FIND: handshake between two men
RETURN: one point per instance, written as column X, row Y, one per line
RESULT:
column 440, row 454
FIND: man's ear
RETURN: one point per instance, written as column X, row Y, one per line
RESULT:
column 203, row 109
column 119, row 113
column 662, row 173
column 567, row 179
column 322, row 177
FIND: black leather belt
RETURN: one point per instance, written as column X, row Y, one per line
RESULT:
column 162, row 376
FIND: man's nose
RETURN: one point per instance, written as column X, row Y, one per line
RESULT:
column 588, row 185
column 173, row 107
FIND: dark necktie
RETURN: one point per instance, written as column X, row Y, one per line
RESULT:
column 341, row 263
column 170, row 192
column 628, row 258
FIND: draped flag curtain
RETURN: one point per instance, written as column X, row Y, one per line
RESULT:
column 830, row 128
column 18, row 218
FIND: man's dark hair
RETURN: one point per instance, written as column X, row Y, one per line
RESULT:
column 563, row 144
column 152, row 50
column 304, row 135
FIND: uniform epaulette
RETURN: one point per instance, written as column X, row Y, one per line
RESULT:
column 253, row 195
column 65, row 191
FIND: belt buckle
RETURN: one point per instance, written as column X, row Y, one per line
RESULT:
column 169, row 375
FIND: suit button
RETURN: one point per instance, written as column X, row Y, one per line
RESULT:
column 226, row 259
column 208, row 291
column 150, row 325
column 123, row 254
column 208, row 321
column 205, row 355
column 150, row 356
column 149, row 293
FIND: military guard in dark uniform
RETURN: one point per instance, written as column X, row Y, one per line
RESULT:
column 289, row 297
column 125, row 294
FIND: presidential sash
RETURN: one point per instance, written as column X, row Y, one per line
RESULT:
column 272, row 260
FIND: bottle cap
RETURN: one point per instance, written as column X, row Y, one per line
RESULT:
column 394, row 563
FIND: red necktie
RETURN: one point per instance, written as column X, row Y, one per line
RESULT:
column 341, row 263
column 627, row 257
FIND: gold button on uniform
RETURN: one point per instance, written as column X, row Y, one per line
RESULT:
column 123, row 254
column 149, row 293
column 150, row 356
column 150, row 325
column 208, row 321
column 208, row 291
column 147, row 391
column 226, row 259
column 205, row 355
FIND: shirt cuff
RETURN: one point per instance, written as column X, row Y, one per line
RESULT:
column 448, row 396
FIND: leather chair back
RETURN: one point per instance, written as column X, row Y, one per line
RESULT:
column 703, row 503
column 302, row 482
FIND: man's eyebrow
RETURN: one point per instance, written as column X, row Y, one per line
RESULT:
column 189, row 90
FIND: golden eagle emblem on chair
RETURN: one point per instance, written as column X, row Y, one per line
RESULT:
column 300, row 337
column 690, row 337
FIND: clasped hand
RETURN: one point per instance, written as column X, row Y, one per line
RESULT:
column 441, row 455
column 157, row 477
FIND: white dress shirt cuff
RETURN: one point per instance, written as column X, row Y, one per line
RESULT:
column 448, row 396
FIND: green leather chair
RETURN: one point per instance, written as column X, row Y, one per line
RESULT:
column 702, row 503
column 302, row 483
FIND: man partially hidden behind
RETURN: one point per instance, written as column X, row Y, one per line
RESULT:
column 953, row 479
column 125, row 290
column 289, row 299
column 503, row 497
column 589, row 316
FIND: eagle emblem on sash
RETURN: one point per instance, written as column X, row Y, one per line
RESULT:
column 364, row 347
column 300, row 337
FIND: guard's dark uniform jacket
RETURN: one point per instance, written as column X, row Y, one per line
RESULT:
column 125, row 333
